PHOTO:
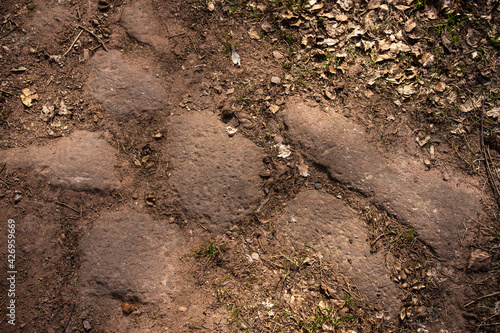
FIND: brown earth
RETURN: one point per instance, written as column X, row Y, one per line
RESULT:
column 335, row 181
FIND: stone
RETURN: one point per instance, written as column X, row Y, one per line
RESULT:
column 82, row 161
column 123, row 88
column 319, row 220
column 129, row 256
column 276, row 80
column 434, row 208
column 141, row 22
column 215, row 176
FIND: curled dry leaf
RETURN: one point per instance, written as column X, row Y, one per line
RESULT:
column 493, row 113
column 235, row 57
column 28, row 96
column 440, row 87
column 303, row 168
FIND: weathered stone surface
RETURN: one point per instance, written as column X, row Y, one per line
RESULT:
column 325, row 223
column 434, row 208
column 141, row 22
column 48, row 20
column 216, row 177
column 123, row 88
column 130, row 256
column 82, row 161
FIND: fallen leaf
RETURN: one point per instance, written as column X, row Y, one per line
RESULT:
column 493, row 113
column 407, row 90
column 211, row 6
column 274, row 108
column 410, row 25
column 253, row 33
column 235, row 57
column 127, row 307
column 303, row 168
column 479, row 261
column 28, row 96
column 440, row 87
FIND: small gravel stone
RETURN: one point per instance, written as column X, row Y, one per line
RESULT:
column 86, row 325
column 276, row 80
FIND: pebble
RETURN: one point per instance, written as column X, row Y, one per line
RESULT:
column 318, row 186
column 276, row 80
column 86, row 325
column 18, row 197
column 255, row 256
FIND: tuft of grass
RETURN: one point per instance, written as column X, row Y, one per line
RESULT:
column 211, row 250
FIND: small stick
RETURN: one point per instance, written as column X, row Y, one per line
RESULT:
column 69, row 319
column 482, row 297
column 73, row 44
column 95, row 36
column 485, row 154
column 67, row 206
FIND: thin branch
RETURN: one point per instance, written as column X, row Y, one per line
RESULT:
column 482, row 297
column 73, row 44
column 95, row 36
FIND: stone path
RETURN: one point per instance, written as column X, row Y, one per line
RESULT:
column 129, row 256
column 216, row 177
column 436, row 209
column 123, row 88
column 328, row 225
column 82, row 161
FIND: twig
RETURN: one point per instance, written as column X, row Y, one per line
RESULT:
column 179, row 34
column 482, row 297
column 95, row 36
column 69, row 319
column 485, row 153
column 67, row 206
column 73, row 44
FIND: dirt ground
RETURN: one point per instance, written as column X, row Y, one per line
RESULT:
column 249, row 166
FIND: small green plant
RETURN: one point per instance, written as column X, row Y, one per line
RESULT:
column 420, row 5
column 210, row 250
column 322, row 316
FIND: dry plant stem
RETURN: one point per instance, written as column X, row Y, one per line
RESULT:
column 73, row 44
column 67, row 206
column 482, row 297
column 95, row 36
column 486, row 157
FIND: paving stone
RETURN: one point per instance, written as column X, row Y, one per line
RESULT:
column 82, row 161
column 123, row 88
column 129, row 256
column 48, row 20
column 141, row 22
column 434, row 208
column 216, row 177
column 325, row 223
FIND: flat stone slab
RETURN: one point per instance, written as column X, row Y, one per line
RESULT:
column 123, row 88
column 141, row 21
column 325, row 223
column 434, row 208
column 215, row 176
column 128, row 255
column 82, row 161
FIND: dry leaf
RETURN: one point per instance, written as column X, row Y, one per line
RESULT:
column 493, row 113
column 28, row 96
column 303, row 168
